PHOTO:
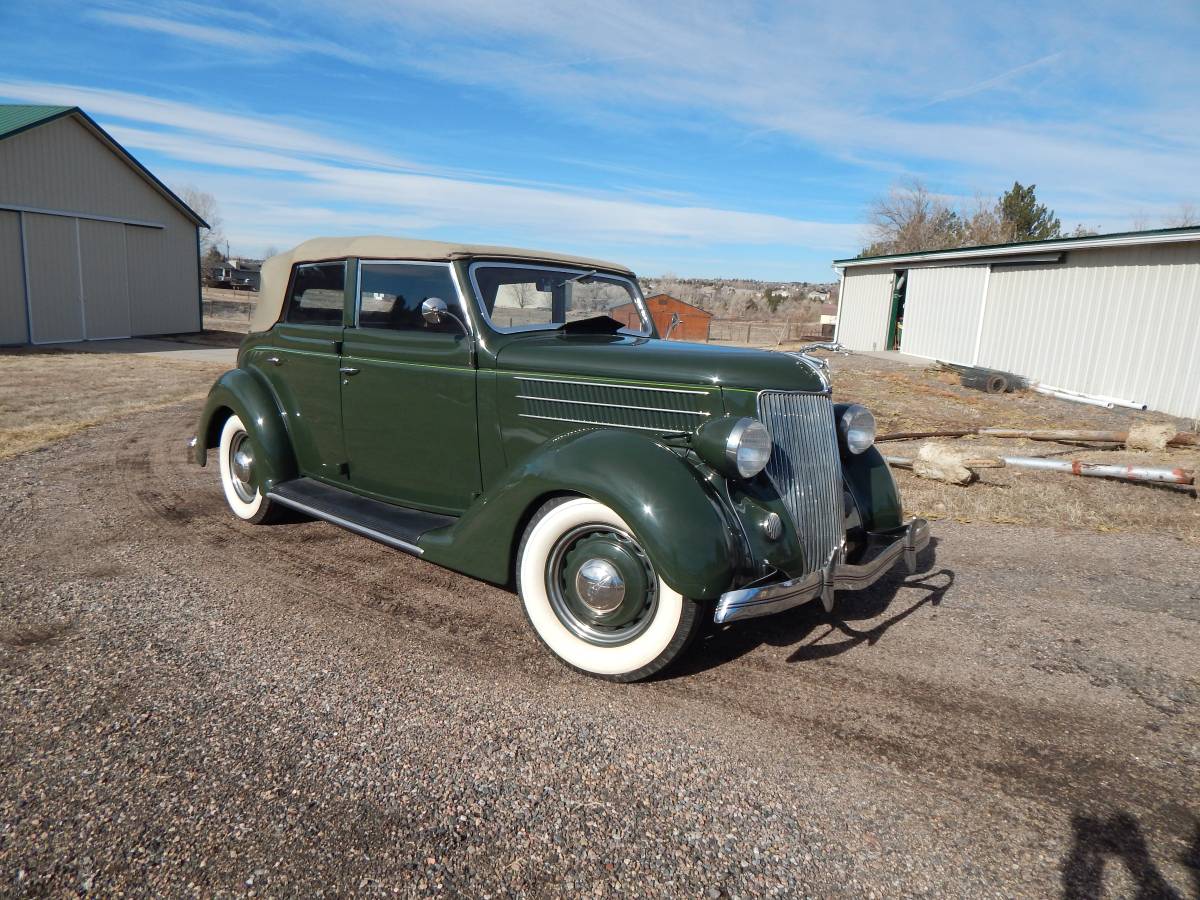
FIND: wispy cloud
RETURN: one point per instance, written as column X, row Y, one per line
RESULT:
column 246, row 40
column 247, row 130
column 995, row 82
column 276, row 186
column 714, row 66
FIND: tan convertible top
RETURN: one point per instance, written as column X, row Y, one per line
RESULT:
column 275, row 271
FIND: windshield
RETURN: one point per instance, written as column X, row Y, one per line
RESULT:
column 519, row 297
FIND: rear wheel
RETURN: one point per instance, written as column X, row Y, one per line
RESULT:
column 239, row 478
column 593, row 597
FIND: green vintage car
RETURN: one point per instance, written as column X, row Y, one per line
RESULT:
column 514, row 415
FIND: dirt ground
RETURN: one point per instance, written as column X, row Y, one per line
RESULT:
column 190, row 705
column 48, row 395
column 907, row 398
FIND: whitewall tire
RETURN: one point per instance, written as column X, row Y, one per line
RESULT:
column 238, row 479
column 593, row 597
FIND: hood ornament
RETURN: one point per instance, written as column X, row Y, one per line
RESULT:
column 820, row 367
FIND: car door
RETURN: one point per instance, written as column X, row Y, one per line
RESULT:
column 302, row 367
column 408, row 390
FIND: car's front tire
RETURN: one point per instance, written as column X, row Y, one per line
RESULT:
column 593, row 597
column 239, row 479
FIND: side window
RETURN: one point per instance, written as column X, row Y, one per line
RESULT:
column 391, row 295
column 318, row 294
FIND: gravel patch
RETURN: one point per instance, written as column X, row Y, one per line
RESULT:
column 192, row 706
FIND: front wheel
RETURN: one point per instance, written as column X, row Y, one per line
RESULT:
column 593, row 597
column 239, row 479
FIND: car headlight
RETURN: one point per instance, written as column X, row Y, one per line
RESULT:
column 858, row 428
column 736, row 447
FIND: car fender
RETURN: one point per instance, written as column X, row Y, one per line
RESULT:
column 245, row 394
column 661, row 497
column 871, row 484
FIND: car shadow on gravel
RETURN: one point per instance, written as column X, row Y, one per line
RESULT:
column 724, row 644
column 1118, row 839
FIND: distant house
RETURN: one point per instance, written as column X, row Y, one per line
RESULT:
column 92, row 245
column 238, row 274
column 693, row 321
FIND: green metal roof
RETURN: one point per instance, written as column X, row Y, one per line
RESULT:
column 15, row 118
column 1151, row 236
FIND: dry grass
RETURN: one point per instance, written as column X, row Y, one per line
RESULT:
column 47, row 396
column 906, row 398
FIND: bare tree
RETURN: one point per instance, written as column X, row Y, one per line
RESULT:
column 271, row 250
column 910, row 218
column 982, row 224
column 524, row 292
column 204, row 205
column 1185, row 216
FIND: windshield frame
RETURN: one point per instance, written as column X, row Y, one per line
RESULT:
column 647, row 329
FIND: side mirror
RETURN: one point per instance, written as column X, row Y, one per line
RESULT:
column 434, row 310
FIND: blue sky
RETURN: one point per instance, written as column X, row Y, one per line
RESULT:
column 725, row 138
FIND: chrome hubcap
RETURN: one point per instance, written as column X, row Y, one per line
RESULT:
column 600, row 585
column 241, row 468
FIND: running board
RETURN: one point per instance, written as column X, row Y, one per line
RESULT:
column 396, row 526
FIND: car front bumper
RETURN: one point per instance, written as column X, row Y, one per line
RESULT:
column 764, row 600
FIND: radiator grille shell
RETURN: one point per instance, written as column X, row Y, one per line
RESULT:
column 806, row 469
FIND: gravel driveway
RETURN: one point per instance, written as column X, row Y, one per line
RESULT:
column 190, row 705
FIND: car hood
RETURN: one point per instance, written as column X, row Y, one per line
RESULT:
column 630, row 358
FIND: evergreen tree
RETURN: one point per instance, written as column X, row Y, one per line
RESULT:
column 1023, row 218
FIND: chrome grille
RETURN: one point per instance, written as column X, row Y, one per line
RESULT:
column 806, row 469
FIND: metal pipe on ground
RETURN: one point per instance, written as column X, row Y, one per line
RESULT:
column 1060, row 435
column 1077, row 398
column 1097, row 399
column 1148, row 474
column 1104, row 470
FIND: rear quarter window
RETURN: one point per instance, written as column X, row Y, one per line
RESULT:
column 317, row 295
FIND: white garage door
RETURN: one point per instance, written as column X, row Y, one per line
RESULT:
column 942, row 308
column 51, row 252
column 78, row 278
column 105, row 280
column 864, row 310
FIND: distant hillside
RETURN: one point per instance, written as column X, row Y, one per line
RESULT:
column 743, row 298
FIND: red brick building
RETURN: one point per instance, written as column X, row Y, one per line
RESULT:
column 693, row 321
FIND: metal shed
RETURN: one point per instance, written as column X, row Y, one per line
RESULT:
column 92, row 245
column 1114, row 315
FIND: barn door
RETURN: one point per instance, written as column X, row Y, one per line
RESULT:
column 942, row 309
column 52, row 255
column 105, row 280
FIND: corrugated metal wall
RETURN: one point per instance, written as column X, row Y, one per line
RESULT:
column 942, row 307
column 1119, row 322
column 864, row 309
column 62, row 166
column 13, row 329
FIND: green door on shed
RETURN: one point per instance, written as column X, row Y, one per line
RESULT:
column 302, row 367
column 408, row 391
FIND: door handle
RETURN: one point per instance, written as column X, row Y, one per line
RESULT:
column 275, row 360
column 348, row 371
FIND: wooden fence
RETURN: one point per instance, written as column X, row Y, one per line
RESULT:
column 761, row 334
